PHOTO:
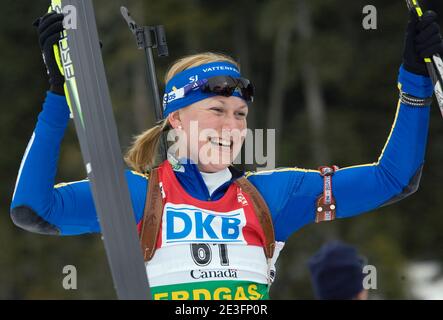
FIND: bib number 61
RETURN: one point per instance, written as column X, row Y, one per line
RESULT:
column 202, row 254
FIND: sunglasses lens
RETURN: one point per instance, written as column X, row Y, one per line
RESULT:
column 225, row 86
column 247, row 90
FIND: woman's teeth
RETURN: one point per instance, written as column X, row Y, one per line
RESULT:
column 220, row 142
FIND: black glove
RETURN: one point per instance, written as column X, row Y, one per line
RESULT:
column 49, row 28
column 423, row 39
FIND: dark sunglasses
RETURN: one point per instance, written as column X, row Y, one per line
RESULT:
column 220, row 85
column 226, row 86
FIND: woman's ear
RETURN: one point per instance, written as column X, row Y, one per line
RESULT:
column 174, row 119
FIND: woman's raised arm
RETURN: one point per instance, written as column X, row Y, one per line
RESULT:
column 67, row 208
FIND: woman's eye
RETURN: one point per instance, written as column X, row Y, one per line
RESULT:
column 217, row 109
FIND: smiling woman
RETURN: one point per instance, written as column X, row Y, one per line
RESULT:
column 207, row 230
column 206, row 104
column 218, row 123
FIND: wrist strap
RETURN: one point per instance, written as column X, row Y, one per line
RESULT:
column 414, row 101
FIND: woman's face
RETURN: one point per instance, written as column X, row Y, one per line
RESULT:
column 214, row 130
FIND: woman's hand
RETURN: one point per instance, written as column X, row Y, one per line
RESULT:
column 49, row 28
column 423, row 40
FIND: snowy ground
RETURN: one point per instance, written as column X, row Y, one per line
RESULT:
column 424, row 280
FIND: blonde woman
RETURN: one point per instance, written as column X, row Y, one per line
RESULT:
column 209, row 231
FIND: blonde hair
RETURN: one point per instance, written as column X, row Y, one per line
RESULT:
column 142, row 154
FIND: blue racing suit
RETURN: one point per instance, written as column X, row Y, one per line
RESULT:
column 290, row 193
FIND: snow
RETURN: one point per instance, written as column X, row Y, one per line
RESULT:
column 424, row 280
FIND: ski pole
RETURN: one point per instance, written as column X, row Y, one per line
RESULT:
column 434, row 64
column 148, row 38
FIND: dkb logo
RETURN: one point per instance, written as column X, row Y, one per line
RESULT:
column 185, row 223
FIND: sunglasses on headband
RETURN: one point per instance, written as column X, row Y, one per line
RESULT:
column 226, row 86
column 219, row 85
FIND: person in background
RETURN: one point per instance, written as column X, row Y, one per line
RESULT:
column 337, row 273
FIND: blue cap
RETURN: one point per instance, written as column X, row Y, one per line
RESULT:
column 336, row 272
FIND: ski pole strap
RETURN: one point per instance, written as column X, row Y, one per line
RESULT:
column 262, row 212
column 152, row 216
column 326, row 203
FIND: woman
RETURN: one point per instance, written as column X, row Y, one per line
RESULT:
column 213, row 239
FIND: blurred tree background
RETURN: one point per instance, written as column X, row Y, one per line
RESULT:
column 327, row 85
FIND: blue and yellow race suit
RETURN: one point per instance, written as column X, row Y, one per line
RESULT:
column 290, row 193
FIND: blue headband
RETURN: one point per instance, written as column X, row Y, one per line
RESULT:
column 192, row 75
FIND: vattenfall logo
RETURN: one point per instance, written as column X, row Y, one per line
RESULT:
column 208, row 274
column 189, row 224
column 218, row 68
